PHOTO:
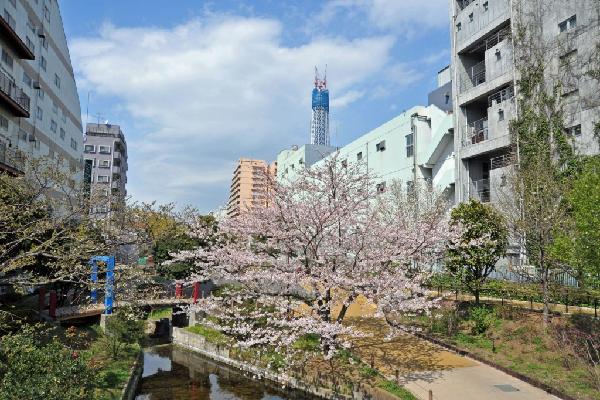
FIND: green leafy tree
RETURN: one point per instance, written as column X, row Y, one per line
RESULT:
column 122, row 329
column 483, row 237
column 180, row 241
column 31, row 369
column 579, row 246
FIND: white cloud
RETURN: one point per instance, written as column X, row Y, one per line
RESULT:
column 347, row 98
column 408, row 17
column 207, row 92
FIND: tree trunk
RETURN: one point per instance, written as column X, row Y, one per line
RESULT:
column 344, row 309
column 476, row 293
column 546, row 299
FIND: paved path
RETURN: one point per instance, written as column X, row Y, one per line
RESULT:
column 422, row 366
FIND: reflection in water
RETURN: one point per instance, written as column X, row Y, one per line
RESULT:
column 174, row 373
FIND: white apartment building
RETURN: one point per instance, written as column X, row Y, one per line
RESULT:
column 485, row 76
column 39, row 105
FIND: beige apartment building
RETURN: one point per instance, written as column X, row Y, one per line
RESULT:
column 249, row 185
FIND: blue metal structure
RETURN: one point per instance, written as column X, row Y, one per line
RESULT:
column 109, row 264
column 319, row 126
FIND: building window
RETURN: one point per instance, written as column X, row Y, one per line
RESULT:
column 64, row 116
column 380, row 146
column 410, row 148
column 344, row 163
column 102, row 179
column 29, row 44
column 53, row 126
column 471, row 17
column 43, row 63
column 54, row 107
column 57, row 81
column 73, row 144
column 485, row 6
column 26, row 79
column 574, row 130
column 39, row 113
column 89, row 148
column 3, row 123
column 498, row 55
column 458, row 27
column 500, row 115
column 359, row 156
column 11, row 21
column 380, row 187
column 62, row 133
column 41, row 94
column 47, row 13
column 410, row 186
column 568, row 24
column 104, row 164
column 45, row 43
column 7, row 59
column 104, row 149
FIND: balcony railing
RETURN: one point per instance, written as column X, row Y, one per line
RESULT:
column 501, row 96
column 14, row 96
column 480, row 189
column 477, row 132
column 11, row 161
column 462, row 4
column 8, row 31
column 497, row 37
column 475, row 76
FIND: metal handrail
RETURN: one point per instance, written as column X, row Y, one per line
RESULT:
column 480, row 189
column 497, row 37
column 501, row 96
column 8, row 87
column 477, row 131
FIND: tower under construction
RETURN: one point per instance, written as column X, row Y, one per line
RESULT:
column 319, row 126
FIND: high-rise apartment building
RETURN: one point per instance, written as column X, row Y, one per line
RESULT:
column 485, row 76
column 105, row 163
column 319, row 125
column 39, row 105
column 250, row 185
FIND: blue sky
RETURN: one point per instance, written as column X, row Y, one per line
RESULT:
column 196, row 85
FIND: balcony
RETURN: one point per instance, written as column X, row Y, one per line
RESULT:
column 480, row 190
column 13, row 97
column 474, row 77
column 477, row 132
column 11, row 161
column 8, row 31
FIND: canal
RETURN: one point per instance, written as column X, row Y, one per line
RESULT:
column 174, row 373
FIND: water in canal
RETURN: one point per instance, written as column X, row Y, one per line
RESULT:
column 174, row 373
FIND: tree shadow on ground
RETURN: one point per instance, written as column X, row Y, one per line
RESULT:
column 403, row 357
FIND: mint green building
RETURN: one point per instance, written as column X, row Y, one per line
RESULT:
column 416, row 146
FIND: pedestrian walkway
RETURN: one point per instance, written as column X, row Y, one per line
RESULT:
column 422, row 366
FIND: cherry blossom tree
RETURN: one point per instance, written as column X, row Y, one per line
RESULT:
column 326, row 237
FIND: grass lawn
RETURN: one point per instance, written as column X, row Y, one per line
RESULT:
column 160, row 313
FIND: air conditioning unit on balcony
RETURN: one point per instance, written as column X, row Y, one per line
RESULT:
column 41, row 32
column 36, row 85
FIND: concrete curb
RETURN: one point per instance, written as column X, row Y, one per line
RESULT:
column 129, row 391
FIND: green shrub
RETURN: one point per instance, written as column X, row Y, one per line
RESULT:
column 482, row 318
column 308, row 342
column 397, row 390
column 368, row 372
column 210, row 334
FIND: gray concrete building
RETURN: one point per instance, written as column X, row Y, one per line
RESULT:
column 39, row 105
column 105, row 164
column 485, row 76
